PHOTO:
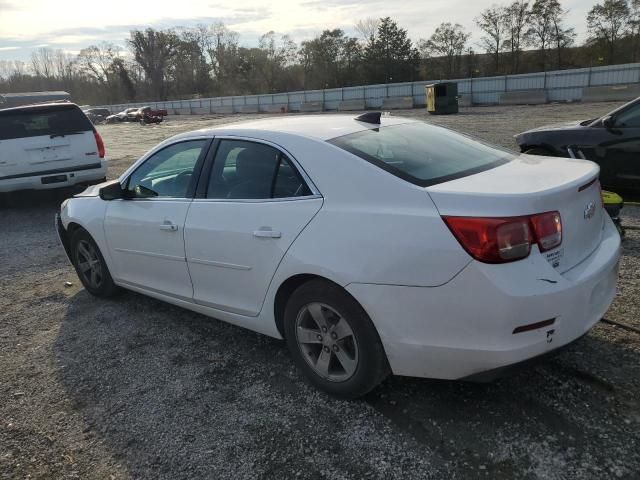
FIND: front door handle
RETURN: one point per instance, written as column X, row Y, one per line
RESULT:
column 266, row 232
column 168, row 226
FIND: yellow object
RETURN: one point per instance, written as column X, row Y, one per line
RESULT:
column 431, row 99
column 611, row 198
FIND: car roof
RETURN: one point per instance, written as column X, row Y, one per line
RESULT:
column 319, row 127
column 41, row 106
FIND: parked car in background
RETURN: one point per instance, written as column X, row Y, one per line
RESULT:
column 372, row 245
column 49, row 146
column 146, row 115
column 122, row 116
column 97, row 115
column 612, row 141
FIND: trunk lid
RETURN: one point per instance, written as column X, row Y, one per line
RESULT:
column 530, row 185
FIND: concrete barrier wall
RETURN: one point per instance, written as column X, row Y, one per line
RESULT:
column 524, row 97
column 464, row 101
column 200, row 110
column 273, row 108
column 612, row 83
column 182, row 111
column 247, row 108
column 350, row 105
column 395, row 103
column 612, row 93
column 222, row 109
column 311, row 107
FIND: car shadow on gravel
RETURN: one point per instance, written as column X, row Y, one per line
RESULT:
column 35, row 199
column 176, row 394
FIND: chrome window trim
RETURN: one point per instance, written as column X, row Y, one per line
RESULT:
column 256, row 200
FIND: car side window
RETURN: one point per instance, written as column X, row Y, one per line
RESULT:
column 251, row 170
column 630, row 118
column 167, row 173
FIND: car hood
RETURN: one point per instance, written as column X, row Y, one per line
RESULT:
column 556, row 126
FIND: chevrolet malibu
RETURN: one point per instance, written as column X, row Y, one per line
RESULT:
column 373, row 245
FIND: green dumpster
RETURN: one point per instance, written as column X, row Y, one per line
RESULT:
column 442, row 98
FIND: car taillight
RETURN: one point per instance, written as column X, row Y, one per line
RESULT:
column 548, row 230
column 506, row 239
column 99, row 144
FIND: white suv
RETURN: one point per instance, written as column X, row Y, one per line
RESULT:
column 48, row 146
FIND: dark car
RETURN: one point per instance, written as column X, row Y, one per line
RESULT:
column 612, row 141
column 97, row 115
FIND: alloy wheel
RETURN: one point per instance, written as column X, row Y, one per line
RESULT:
column 89, row 263
column 327, row 342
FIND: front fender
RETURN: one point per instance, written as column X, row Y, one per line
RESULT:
column 88, row 213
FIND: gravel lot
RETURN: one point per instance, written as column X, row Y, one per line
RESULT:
column 135, row 388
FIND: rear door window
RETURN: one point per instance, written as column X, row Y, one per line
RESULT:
column 36, row 122
column 251, row 170
column 423, row 154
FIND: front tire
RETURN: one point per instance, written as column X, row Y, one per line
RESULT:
column 90, row 265
column 333, row 341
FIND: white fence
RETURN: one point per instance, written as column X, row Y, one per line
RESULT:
column 561, row 85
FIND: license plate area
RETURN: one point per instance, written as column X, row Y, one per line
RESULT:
column 53, row 179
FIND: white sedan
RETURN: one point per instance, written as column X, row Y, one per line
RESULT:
column 372, row 245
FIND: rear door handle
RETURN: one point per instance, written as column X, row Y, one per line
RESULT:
column 168, row 226
column 266, row 232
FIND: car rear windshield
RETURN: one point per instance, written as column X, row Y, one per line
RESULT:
column 423, row 154
column 46, row 120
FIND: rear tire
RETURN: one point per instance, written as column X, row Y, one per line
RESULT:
column 333, row 341
column 90, row 266
column 540, row 151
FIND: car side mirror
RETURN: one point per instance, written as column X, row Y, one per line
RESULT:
column 608, row 122
column 113, row 191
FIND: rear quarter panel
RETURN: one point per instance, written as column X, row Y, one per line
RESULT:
column 372, row 228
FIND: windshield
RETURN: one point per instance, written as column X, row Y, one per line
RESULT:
column 423, row 154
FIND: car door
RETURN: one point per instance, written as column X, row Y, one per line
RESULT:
column 256, row 203
column 145, row 232
column 623, row 149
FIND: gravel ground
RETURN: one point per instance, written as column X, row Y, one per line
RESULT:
column 135, row 388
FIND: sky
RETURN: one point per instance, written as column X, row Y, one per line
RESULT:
column 71, row 25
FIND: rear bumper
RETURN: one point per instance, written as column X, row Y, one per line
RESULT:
column 58, row 178
column 467, row 326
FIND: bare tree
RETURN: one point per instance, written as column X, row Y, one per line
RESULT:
column 447, row 41
column 541, row 21
column 96, row 61
column 367, row 28
column 154, row 51
column 516, row 19
column 491, row 22
column 634, row 23
column 42, row 62
column 608, row 22
column 563, row 37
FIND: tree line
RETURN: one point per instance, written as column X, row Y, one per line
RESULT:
column 209, row 60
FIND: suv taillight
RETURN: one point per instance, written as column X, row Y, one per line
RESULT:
column 506, row 239
column 99, row 143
